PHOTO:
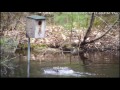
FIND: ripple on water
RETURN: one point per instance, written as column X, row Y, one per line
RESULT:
column 64, row 71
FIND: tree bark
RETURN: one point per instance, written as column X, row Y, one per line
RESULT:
column 88, row 31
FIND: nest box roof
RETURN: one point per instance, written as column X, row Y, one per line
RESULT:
column 36, row 17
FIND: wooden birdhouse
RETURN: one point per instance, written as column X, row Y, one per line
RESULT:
column 35, row 27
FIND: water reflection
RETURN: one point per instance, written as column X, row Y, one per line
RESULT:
column 89, row 64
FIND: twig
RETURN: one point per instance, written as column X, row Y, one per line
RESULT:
column 7, row 59
column 8, row 66
column 102, row 20
column 17, row 22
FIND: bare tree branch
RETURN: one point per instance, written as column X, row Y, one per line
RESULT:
column 17, row 21
column 89, row 29
column 103, row 34
column 102, row 20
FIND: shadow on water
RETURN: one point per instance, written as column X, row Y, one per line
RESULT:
column 89, row 64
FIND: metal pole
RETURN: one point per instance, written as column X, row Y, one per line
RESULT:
column 28, row 68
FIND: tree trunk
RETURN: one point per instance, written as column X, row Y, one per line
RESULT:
column 88, row 31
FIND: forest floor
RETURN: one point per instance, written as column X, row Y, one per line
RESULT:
column 60, row 38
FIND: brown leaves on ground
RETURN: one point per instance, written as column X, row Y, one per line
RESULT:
column 56, row 36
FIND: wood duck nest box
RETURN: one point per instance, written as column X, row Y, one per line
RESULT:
column 35, row 27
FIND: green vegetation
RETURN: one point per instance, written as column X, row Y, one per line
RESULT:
column 71, row 19
column 38, row 46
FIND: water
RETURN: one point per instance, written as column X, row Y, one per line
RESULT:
column 92, row 64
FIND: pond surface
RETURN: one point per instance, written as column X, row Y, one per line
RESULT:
column 92, row 64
